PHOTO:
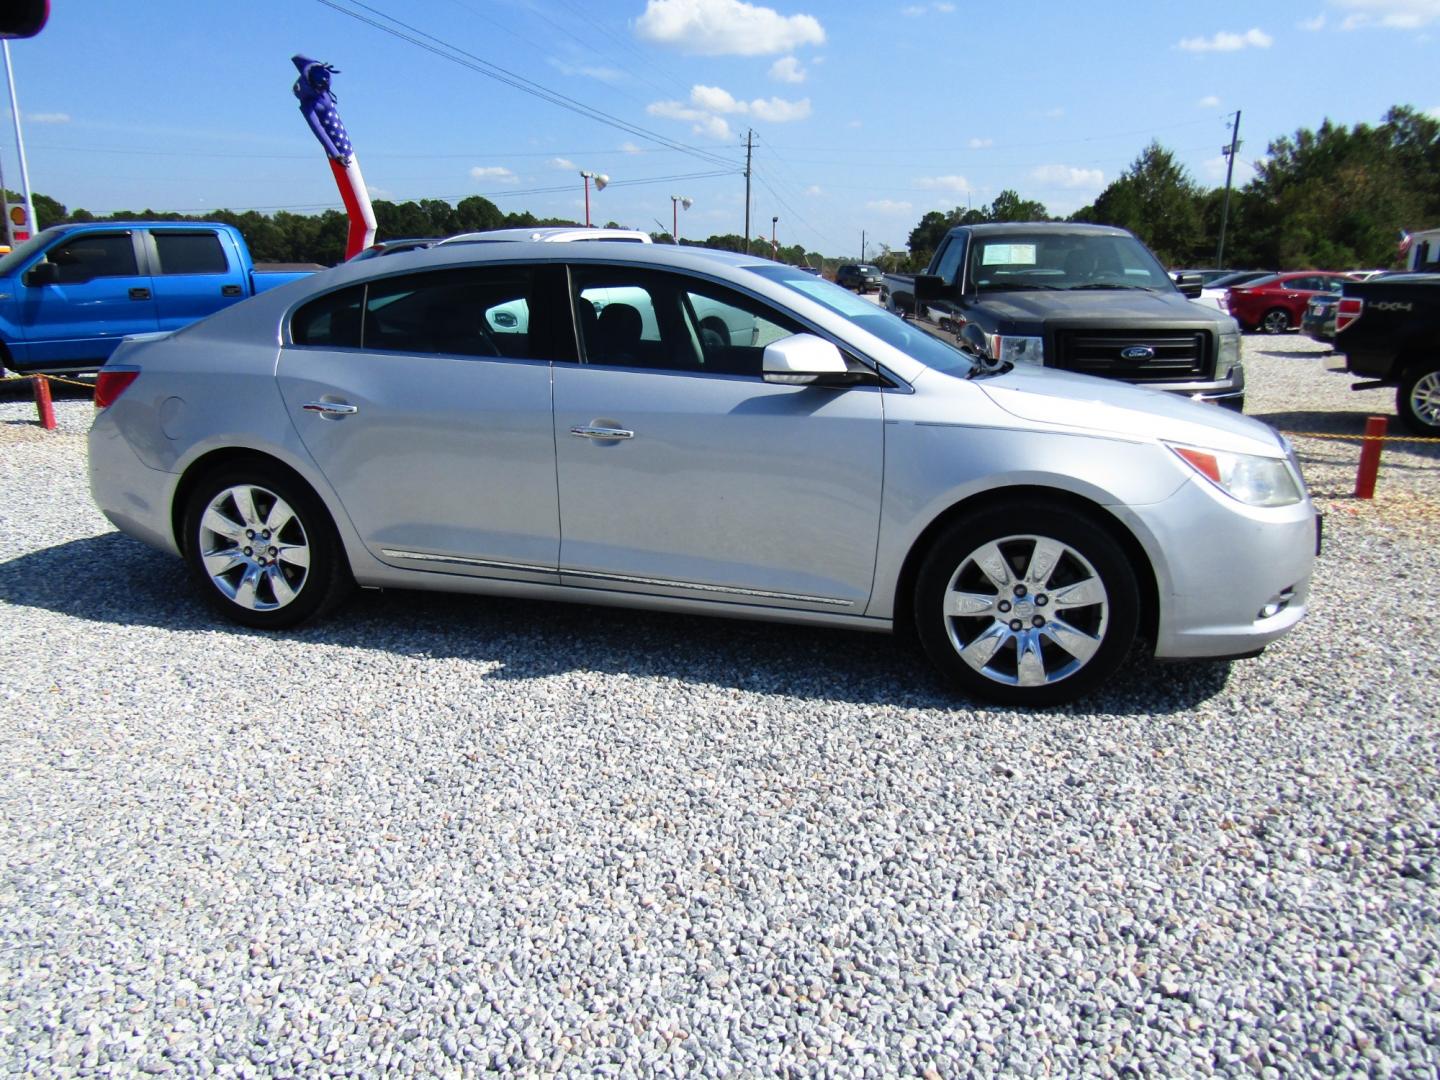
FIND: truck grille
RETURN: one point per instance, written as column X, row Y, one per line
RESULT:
column 1179, row 354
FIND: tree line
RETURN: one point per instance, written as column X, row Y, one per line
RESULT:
column 1331, row 199
column 1336, row 198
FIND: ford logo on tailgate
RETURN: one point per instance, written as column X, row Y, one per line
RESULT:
column 1138, row 352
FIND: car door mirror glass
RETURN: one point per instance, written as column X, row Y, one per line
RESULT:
column 1190, row 285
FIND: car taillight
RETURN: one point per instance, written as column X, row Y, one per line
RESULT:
column 109, row 385
column 1347, row 311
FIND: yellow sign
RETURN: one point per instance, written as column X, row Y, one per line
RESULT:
column 17, row 215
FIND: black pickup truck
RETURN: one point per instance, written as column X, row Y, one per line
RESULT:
column 1085, row 298
column 1389, row 330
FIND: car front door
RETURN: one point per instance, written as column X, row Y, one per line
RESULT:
column 425, row 400
column 101, row 295
column 682, row 472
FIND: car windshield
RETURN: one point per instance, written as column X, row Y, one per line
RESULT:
column 891, row 329
column 22, row 253
column 1045, row 260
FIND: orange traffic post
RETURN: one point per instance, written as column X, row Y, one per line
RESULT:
column 43, row 405
column 1370, row 457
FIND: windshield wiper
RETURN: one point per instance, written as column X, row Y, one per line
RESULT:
column 1109, row 285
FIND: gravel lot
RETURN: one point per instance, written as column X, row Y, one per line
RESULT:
column 442, row 835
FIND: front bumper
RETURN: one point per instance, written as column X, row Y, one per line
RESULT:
column 1231, row 578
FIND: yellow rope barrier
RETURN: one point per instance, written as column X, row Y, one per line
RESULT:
column 48, row 378
column 1359, row 438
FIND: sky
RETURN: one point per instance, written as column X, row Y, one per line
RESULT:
column 865, row 116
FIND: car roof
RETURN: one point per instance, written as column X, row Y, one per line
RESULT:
column 1058, row 228
column 552, row 234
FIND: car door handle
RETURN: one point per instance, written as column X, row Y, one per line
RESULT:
column 230, row 290
column 331, row 408
column 588, row 432
column 139, row 294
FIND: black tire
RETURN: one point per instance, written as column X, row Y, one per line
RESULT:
column 265, row 584
column 1088, row 556
column 1275, row 321
column 1417, row 399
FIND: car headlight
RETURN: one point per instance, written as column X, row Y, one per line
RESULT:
column 1229, row 355
column 1019, row 350
column 1247, row 478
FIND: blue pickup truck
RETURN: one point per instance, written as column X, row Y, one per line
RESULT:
column 69, row 294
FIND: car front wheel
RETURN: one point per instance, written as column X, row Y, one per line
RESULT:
column 262, row 547
column 1025, row 604
column 1418, row 399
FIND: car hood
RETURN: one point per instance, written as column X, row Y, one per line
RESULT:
column 1098, row 306
column 1083, row 402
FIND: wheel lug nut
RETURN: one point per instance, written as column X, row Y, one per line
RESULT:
column 250, row 534
column 1037, row 621
column 273, row 551
column 1041, row 600
column 1004, row 605
column 1019, row 590
column 1016, row 624
column 249, row 551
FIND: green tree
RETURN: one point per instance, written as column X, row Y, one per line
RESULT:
column 1156, row 199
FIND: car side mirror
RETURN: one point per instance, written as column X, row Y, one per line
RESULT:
column 1190, row 285
column 974, row 343
column 805, row 360
column 43, row 273
column 929, row 287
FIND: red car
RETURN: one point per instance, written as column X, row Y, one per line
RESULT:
column 1277, row 303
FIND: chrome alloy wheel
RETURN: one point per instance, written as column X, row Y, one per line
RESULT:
column 1026, row 611
column 254, row 548
column 1425, row 399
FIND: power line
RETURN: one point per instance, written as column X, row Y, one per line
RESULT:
column 457, row 55
column 153, row 152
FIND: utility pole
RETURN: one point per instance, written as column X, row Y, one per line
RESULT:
column 749, row 142
column 1229, row 152
column 862, row 245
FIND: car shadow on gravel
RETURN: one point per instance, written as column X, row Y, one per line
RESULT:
column 113, row 579
column 1296, row 354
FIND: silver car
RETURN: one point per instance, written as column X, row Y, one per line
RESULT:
column 684, row 430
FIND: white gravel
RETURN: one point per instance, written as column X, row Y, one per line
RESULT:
column 439, row 835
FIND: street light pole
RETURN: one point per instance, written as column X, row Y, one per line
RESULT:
column 677, row 201
column 600, row 181
column 20, row 149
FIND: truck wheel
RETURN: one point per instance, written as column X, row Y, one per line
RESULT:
column 1276, row 321
column 1418, row 398
column 1026, row 604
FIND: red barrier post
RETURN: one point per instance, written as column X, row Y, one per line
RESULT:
column 1370, row 457
column 43, row 405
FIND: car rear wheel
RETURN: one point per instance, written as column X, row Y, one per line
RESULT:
column 1026, row 604
column 1418, row 399
column 1276, row 321
column 262, row 547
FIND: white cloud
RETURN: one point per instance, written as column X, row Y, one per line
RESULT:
column 600, row 74
column 814, row 189
column 726, row 28
column 1068, row 176
column 945, row 183
column 1317, row 23
column 1055, row 113
column 888, row 206
column 714, row 99
column 715, row 127
column 709, row 102
column 855, row 124
column 493, row 172
column 46, row 118
column 1225, row 41
column 779, row 111
column 562, row 163
column 1215, row 170
column 1434, row 113
column 630, row 148
column 1209, row 101
column 914, row 11
column 787, row 70
column 980, row 144
column 1391, row 14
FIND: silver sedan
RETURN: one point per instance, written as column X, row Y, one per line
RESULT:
column 683, row 430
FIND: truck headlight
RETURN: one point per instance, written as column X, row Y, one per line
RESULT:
column 1019, row 350
column 1229, row 355
column 1247, row 478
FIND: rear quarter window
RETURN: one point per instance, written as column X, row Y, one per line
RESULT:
column 190, row 253
column 332, row 320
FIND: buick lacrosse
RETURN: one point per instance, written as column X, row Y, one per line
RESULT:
column 698, row 432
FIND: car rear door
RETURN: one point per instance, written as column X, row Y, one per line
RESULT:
column 683, row 473
column 434, row 429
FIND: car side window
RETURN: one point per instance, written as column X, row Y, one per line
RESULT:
column 469, row 311
column 732, row 330
column 331, row 320
column 94, row 256
column 190, row 253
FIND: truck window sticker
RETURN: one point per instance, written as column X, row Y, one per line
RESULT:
column 1008, row 255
